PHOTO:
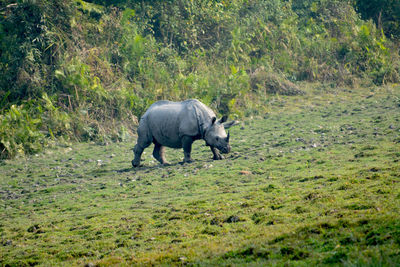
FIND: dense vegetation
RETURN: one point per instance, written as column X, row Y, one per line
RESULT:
column 86, row 70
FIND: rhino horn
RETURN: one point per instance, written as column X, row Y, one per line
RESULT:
column 228, row 125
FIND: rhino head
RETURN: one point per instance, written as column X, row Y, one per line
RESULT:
column 216, row 136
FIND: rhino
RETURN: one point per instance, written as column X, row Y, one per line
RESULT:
column 178, row 125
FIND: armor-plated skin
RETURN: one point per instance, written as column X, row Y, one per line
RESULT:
column 178, row 125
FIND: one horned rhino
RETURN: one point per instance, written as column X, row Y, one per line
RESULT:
column 178, row 125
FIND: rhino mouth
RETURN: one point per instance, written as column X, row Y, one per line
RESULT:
column 225, row 149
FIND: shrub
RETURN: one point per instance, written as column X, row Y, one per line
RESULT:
column 273, row 83
column 19, row 132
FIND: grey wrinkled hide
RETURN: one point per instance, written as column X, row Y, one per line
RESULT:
column 178, row 125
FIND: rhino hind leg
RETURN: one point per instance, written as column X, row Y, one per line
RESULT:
column 217, row 155
column 159, row 153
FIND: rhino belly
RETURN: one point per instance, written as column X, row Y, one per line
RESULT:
column 167, row 136
column 168, row 141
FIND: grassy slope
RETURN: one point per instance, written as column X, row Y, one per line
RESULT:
column 314, row 181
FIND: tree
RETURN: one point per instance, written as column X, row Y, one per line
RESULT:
column 385, row 13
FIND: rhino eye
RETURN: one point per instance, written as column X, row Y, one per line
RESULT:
column 217, row 138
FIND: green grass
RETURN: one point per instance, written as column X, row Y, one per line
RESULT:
column 313, row 181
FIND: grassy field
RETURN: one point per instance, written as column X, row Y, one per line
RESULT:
column 315, row 180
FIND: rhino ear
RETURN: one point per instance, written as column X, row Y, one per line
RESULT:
column 223, row 119
column 213, row 120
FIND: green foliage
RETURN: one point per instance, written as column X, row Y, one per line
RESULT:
column 25, row 129
column 20, row 132
column 341, row 47
column 76, row 79
column 56, row 122
column 33, row 34
column 187, row 25
column 385, row 13
column 102, row 63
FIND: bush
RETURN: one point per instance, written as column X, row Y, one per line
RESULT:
column 20, row 132
column 33, row 35
column 385, row 13
column 273, row 83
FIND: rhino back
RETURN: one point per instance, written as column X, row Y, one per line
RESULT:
column 198, row 117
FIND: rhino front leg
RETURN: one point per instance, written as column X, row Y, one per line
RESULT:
column 187, row 142
column 159, row 153
column 137, row 151
column 217, row 155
